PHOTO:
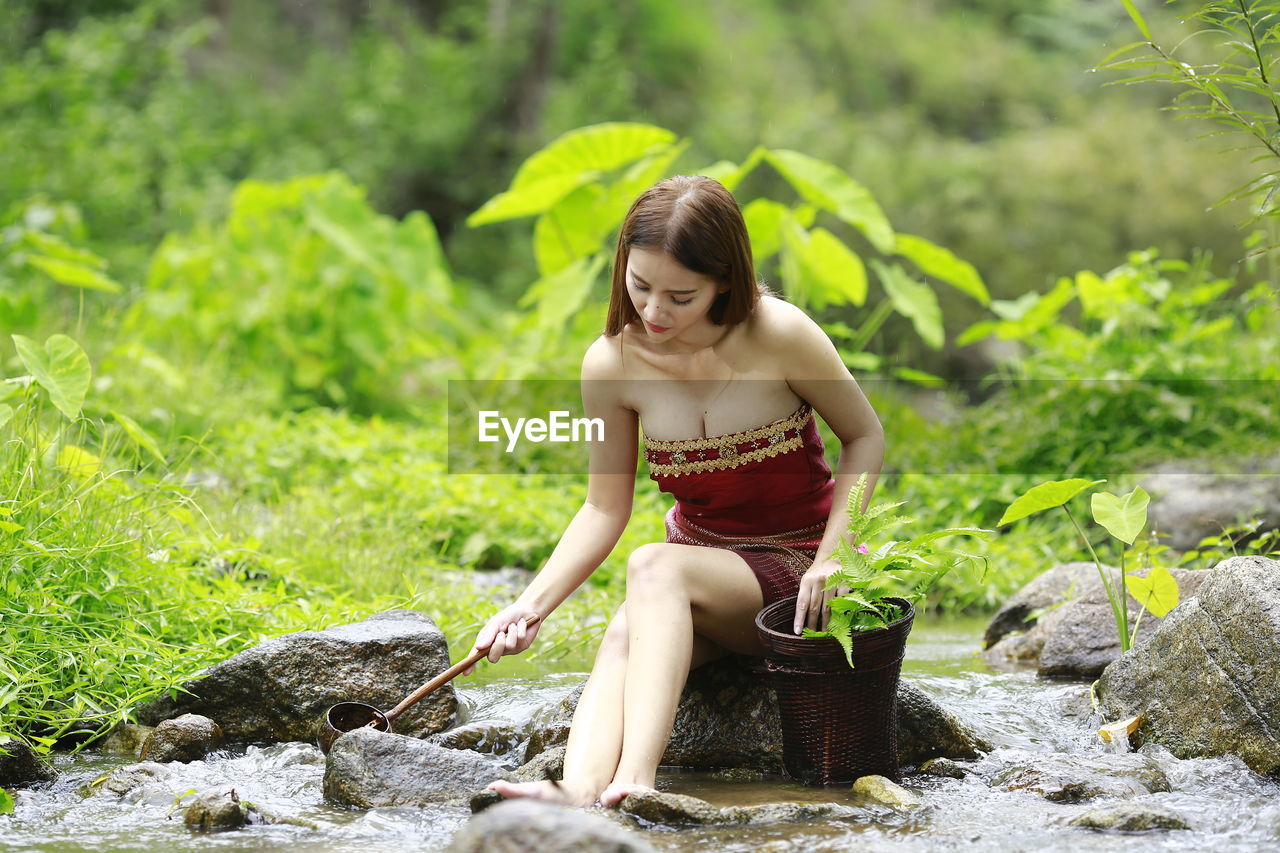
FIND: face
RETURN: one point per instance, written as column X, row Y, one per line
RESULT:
column 671, row 299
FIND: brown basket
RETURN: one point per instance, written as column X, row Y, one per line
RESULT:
column 838, row 724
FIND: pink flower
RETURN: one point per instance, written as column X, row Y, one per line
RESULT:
column 862, row 548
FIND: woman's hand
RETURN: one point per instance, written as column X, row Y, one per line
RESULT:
column 813, row 604
column 506, row 633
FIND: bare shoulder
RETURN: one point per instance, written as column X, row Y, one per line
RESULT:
column 780, row 327
column 603, row 359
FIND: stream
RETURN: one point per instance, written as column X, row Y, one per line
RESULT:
column 1228, row 807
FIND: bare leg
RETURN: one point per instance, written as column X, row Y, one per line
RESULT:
column 595, row 736
column 674, row 593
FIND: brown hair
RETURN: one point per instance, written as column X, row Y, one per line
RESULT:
column 696, row 221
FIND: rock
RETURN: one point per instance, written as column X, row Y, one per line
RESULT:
column 787, row 813
column 1060, row 583
column 1190, row 503
column 368, row 768
column 669, row 809
column 186, row 738
column 1206, row 683
column 122, row 780
column 126, row 738
column 728, row 718
column 20, row 766
column 528, row 826
column 943, row 767
column 1077, row 639
column 880, row 790
column 1064, row 778
column 278, row 690
column 1130, row 817
column 219, row 810
column 492, row 738
column 546, row 765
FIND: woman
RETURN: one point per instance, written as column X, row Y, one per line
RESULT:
column 724, row 378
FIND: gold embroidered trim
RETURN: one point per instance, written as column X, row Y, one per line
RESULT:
column 795, row 420
column 730, row 457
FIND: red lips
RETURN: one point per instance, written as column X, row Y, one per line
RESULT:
column 658, row 329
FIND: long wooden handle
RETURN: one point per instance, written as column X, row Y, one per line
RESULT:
column 447, row 676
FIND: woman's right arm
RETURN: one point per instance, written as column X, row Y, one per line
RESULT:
column 597, row 526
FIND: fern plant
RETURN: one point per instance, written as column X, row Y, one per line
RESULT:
column 884, row 583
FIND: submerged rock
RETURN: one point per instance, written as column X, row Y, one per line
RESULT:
column 492, row 738
column 1064, row 778
column 368, row 768
column 943, row 767
column 1131, row 817
column 728, row 718
column 20, row 766
column 186, row 738
column 528, row 826
column 125, row 779
column 1078, row 638
column 1207, row 682
column 884, row 791
column 1190, row 503
column 675, row 810
column 279, row 690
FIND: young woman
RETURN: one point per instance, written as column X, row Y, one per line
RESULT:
column 725, row 379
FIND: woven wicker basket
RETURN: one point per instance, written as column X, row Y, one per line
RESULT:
column 838, row 724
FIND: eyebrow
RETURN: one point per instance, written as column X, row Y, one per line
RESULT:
column 647, row 284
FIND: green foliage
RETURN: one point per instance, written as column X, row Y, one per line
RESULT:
column 1123, row 517
column 581, row 185
column 876, row 580
column 309, row 291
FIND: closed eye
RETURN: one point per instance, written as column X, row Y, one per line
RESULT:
column 638, row 286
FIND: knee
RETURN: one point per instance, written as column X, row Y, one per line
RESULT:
column 651, row 565
column 616, row 638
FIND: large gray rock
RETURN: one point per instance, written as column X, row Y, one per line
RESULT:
column 369, row 768
column 728, row 717
column 1207, row 683
column 20, row 766
column 1190, row 502
column 659, row 808
column 1078, row 638
column 1069, row 778
column 527, row 826
column 186, row 738
column 278, row 690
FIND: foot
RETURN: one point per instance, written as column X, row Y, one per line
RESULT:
column 551, row 792
column 613, row 794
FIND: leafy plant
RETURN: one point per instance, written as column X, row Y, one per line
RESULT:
column 1123, row 517
column 897, row 570
column 580, row 186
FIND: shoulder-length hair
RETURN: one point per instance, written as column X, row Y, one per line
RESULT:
column 696, row 221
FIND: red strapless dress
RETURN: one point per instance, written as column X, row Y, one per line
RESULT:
column 763, row 493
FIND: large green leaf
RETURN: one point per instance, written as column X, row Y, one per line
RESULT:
column 1045, row 496
column 942, row 264
column 914, row 300
column 73, row 274
column 61, row 368
column 764, row 219
column 558, row 296
column 1123, row 517
column 596, row 148
column 570, row 230
column 837, row 274
column 529, row 199
column 730, row 174
column 828, row 187
column 6, row 802
column 1158, row 591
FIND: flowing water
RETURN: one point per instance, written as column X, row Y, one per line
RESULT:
column 1027, row 720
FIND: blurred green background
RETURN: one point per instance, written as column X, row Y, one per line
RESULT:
column 252, row 219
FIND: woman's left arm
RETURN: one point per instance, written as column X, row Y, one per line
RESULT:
column 816, row 373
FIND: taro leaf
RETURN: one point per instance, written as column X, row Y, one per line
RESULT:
column 829, row 188
column 1158, row 591
column 1124, row 517
column 1045, row 496
column 913, row 299
column 6, row 802
column 73, row 274
column 77, row 461
column 61, row 368
column 597, row 148
column 764, row 218
column 942, row 264
column 730, row 174
column 140, row 436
